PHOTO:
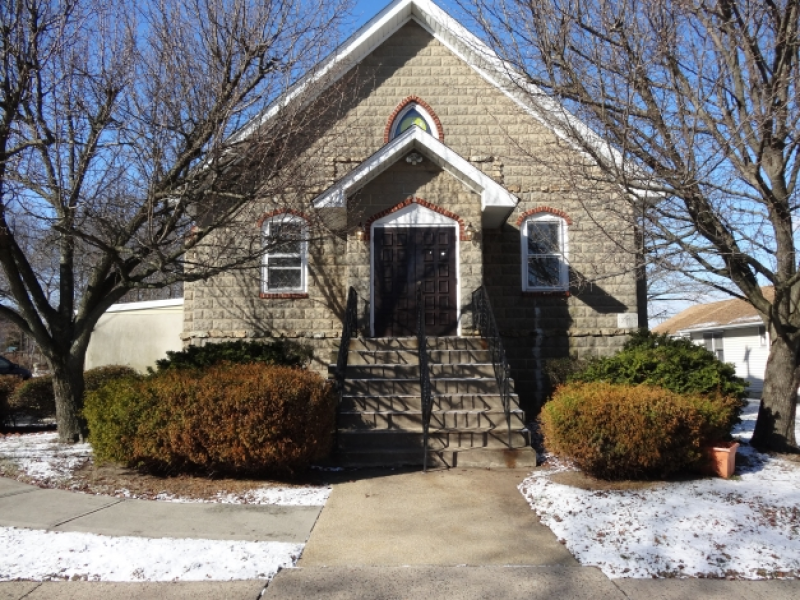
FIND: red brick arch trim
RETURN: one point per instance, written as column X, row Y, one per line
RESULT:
column 387, row 133
column 409, row 202
column 281, row 211
column 544, row 209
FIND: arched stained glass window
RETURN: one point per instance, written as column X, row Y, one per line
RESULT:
column 412, row 117
column 413, row 114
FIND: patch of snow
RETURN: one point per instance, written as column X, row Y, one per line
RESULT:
column 747, row 527
column 278, row 496
column 42, row 459
column 103, row 558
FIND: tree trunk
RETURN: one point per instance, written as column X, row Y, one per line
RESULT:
column 776, row 414
column 68, row 389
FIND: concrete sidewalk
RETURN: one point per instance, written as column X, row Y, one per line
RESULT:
column 56, row 510
column 508, row 583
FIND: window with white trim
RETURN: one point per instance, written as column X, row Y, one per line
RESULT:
column 413, row 115
column 713, row 343
column 544, row 253
column 286, row 254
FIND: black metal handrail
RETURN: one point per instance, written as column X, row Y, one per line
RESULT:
column 486, row 324
column 349, row 326
column 424, row 378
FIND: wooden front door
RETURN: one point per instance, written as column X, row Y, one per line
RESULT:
column 407, row 257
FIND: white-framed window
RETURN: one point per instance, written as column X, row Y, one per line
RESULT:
column 544, row 253
column 762, row 336
column 286, row 255
column 414, row 115
column 713, row 343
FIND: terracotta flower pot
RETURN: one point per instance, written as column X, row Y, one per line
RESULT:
column 721, row 459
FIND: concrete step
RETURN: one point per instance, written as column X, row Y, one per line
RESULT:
column 410, row 387
column 495, row 458
column 411, row 357
column 414, row 402
column 410, row 343
column 459, row 356
column 388, row 439
column 411, row 420
column 380, row 357
column 394, row 371
column 382, row 344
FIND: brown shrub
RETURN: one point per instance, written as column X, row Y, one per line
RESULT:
column 633, row 432
column 242, row 419
column 8, row 383
column 34, row 398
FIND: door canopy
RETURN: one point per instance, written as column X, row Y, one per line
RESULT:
column 497, row 203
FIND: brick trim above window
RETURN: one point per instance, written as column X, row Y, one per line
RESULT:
column 387, row 133
column 544, row 209
column 281, row 211
column 409, row 202
column 283, row 296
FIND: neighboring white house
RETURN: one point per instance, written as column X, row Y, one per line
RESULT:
column 732, row 330
column 136, row 334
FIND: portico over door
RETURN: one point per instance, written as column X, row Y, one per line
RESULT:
column 407, row 258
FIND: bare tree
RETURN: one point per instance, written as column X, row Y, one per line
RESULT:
column 120, row 163
column 692, row 112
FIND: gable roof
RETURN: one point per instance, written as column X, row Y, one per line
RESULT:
column 496, row 202
column 461, row 42
column 726, row 314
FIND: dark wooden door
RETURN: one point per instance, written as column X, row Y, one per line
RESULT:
column 406, row 258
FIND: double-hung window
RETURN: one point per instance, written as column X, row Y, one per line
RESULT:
column 285, row 256
column 544, row 253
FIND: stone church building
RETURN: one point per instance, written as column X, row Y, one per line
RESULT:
column 439, row 176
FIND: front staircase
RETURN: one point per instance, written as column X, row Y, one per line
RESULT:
column 380, row 414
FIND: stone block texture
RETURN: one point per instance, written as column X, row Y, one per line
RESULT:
column 484, row 126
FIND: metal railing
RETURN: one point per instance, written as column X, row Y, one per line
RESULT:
column 349, row 326
column 424, row 378
column 486, row 324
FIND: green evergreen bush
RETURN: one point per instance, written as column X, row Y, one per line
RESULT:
column 94, row 378
column 614, row 431
column 235, row 419
column 676, row 364
column 278, row 352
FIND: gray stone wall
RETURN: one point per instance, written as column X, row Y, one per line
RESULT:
column 484, row 126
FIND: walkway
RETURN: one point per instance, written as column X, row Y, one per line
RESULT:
column 465, row 534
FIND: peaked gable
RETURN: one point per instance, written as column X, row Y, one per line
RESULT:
column 456, row 38
column 496, row 202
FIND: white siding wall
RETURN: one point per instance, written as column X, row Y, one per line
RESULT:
column 136, row 334
column 743, row 348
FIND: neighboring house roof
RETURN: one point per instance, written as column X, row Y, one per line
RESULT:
column 461, row 42
column 727, row 314
column 496, row 202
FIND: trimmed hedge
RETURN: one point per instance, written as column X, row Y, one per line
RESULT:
column 676, row 364
column 8, row 383
column 235, row 419
column 34, row 398
column 634, row 432
column 278, row 352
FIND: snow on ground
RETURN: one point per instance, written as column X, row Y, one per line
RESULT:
column 44, row 461
column 42, row 458
column 747, row 527
column 94, row 557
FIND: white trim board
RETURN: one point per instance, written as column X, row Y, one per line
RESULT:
column 145, row 305
column 497, row 203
